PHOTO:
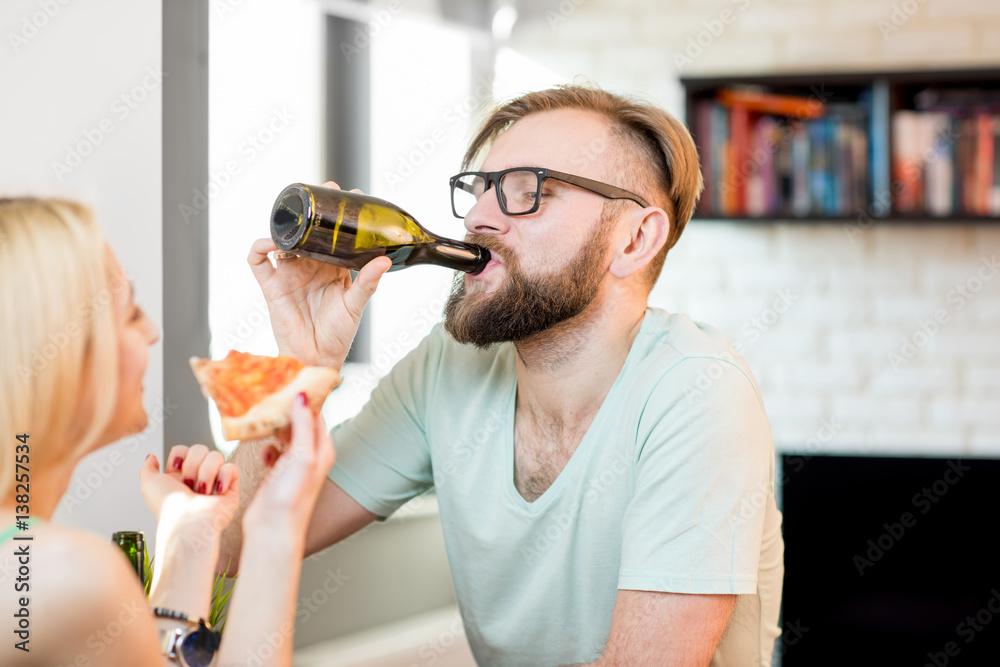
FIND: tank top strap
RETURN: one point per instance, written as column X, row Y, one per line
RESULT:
column 11, row 531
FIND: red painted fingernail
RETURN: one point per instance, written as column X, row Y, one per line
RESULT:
column 218, row 486
column 190, row 483
column 202, row 487
column 302, row 398
column 177, row 463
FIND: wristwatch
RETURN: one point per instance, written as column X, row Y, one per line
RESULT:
column 193, row 644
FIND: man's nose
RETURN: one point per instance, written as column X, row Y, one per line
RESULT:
column 486, row 217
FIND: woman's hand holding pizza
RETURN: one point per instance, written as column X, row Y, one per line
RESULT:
column 315, row 309
column 295, row 475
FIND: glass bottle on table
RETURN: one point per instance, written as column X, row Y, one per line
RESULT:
column 133, row 544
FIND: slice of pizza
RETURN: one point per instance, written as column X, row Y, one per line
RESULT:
column 255, row 394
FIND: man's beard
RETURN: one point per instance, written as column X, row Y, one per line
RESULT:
column 524, row 305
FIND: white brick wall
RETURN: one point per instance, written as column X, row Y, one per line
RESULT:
column 857, row 296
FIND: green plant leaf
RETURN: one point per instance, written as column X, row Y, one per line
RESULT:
column 147, row 568
column 222, row 590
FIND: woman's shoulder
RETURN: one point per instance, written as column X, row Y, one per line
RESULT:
column 70, row 582
column 67, row 551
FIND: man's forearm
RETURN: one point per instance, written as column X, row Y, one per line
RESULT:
column 655, row 628
column 335, row 516
column 247, row 458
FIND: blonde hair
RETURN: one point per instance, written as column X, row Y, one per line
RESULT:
column 656, row 157
column 59, row 362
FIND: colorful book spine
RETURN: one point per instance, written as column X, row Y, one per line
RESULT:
column 995, row 186
column 946, row 162
column 757, row 163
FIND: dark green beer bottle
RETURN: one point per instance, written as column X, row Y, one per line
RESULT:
column 133, row 543
column 350, row 229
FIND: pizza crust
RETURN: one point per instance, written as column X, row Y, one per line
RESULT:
column 274, row 412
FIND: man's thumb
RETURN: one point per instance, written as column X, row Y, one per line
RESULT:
column 363, row 287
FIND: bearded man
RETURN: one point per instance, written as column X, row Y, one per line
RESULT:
column 604, row 470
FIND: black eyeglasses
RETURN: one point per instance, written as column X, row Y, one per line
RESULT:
column 519, row 190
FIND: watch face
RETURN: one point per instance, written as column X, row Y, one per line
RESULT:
column 197, row 649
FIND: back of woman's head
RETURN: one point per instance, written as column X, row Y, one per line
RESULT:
column 59, row 357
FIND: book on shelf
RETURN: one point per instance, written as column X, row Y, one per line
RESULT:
column 783, row 156
column 946, row 158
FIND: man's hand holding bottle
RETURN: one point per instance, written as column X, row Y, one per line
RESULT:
column 315, row 307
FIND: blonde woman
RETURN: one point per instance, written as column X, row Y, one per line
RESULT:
column 74, row 352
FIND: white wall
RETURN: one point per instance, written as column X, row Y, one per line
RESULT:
column 81, row 87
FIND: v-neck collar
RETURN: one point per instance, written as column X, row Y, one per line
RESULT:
column 581, row 451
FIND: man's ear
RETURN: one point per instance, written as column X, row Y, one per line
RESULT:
column 648, row 231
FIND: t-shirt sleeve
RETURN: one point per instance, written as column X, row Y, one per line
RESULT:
column 383, row 455
column 704, row 475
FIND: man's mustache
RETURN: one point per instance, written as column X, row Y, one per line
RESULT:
column 492, row 244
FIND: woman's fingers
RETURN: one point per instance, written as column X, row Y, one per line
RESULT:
column 208, row 471
column 288, row 471
column 312, row 450
column 325, row 453
column 175, row 460
column 332, row 185
column 289, row 492
column 192, row 462
column 300, row 451
column 269, row 454
column 228, row 480
column 197, row 466
column 151, row 466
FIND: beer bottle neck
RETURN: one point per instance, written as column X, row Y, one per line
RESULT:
column 450, row 254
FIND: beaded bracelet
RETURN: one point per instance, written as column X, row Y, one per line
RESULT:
column 160, row 612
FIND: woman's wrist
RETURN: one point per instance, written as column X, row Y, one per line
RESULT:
column 183, row 585
column 264, row 519
column 266, row 550
column 184, row 565
column 271, row 535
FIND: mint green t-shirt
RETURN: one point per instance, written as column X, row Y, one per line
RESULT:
column 671, row 489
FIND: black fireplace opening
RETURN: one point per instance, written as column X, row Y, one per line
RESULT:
column 890, row 561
